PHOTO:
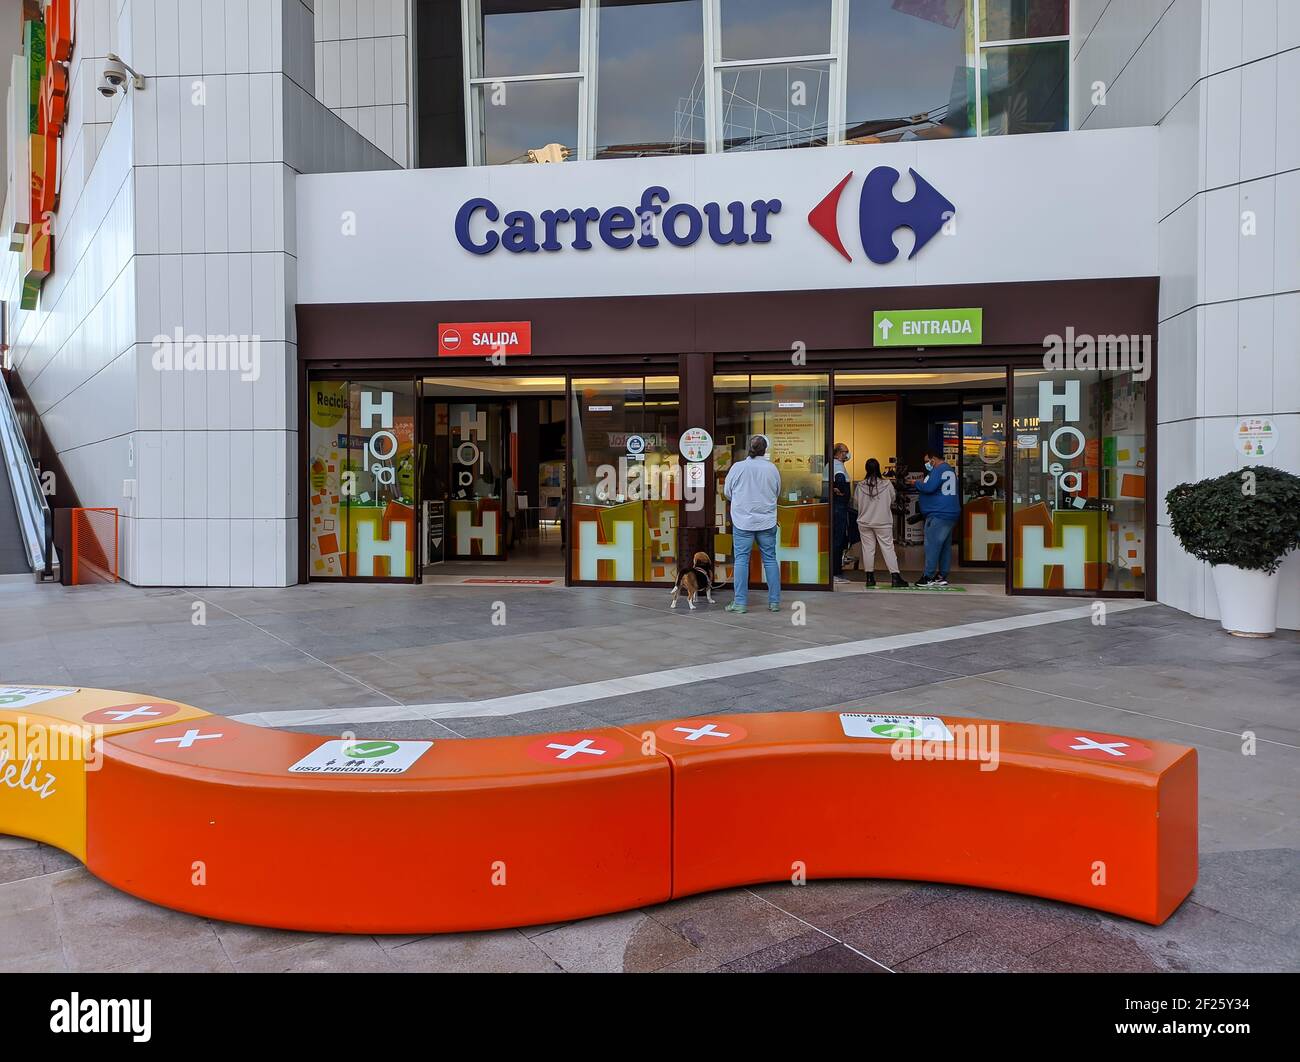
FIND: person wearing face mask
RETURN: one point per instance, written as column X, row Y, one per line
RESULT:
column 941, row 507
column 840, row 496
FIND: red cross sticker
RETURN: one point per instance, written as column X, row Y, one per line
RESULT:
column 578, row 750
column 701, row 733
column 1105, row 747
column 136, row 712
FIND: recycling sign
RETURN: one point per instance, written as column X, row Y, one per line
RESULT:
column 361, row 757
column 895, row 727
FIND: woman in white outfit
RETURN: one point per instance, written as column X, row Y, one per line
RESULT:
column 874, row 499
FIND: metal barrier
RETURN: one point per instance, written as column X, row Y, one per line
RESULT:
column 34, row 517
column 94, row 546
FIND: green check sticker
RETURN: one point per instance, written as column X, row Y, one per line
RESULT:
column 368, row 750
column 895, row 730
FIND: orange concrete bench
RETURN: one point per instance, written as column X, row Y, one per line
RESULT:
column 203, row 814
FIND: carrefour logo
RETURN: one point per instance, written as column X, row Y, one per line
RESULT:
column 880, row 214
column 679, row 224
column 482, row 226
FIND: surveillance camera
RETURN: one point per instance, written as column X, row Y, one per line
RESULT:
column 114, row 76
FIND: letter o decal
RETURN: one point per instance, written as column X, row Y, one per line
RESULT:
column 695, row 224
column 1067, row 430
column 464, row 448
column 383, row 435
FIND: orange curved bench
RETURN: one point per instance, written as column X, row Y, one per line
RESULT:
column 225, row 820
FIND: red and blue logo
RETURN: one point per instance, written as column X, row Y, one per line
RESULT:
column 880, row 213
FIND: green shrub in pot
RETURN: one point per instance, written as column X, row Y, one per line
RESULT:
column 1234, row 519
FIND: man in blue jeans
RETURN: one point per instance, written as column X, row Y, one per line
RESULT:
column 753, row 486
column 941, row 506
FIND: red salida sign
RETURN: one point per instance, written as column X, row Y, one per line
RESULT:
column 484, row 338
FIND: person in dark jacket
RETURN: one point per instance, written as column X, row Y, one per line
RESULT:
column 941, row 507
column 841, row 490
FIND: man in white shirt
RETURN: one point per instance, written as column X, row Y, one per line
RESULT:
column 752, row 486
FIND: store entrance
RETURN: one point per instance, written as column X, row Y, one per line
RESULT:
column 493, row 484
column 895, row 418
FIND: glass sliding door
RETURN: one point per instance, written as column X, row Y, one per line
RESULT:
column 1078, row 481
column 983, row 486
column 626, row 479
column 476, row 506
column 792, row 411
column 362, row 474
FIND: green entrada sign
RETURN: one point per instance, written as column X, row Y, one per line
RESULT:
column 928, row 328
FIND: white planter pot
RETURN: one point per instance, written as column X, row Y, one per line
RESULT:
column 1247, row 600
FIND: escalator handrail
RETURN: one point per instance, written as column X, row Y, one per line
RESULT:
column 34, row 515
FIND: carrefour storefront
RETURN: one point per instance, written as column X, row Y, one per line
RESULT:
column 489, row 353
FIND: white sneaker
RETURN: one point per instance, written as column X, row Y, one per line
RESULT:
column 939, row 581
column 840, row 579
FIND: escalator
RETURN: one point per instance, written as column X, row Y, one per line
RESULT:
column 26, row 522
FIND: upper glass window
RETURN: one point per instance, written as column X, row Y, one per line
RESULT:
column 1011, row 20
column 910, row 71
column 550, row 80
column 529, row 37
column 773, row 29
column 651, row 77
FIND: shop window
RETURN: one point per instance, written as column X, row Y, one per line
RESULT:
column 362, row 472
column 626, row 480
column 910, row 72
column 651, row 79
column 1079, row 482
column 791, row 410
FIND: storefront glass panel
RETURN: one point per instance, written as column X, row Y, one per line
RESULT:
column 984, row 498
column 476, row 452
column 791, row 411
column 626, row 479
column 362, row 473
column 1079, row 481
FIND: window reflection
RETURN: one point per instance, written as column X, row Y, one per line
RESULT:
column 519, row 115
column 908, row 74
column 529, row 37
column 1009, row 20
column 651, row 79
column 782, row 106
column 1024, row 88
column 772, row 29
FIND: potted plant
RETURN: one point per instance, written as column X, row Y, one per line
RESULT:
column 1243, row 524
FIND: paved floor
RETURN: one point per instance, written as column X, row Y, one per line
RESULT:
column 441, row 661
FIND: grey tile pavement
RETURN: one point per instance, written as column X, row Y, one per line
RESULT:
column 1152, row 672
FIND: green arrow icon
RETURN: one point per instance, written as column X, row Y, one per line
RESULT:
column 895, row 730
column 369, row 750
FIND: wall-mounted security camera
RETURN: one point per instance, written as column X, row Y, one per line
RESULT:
column 114, row 76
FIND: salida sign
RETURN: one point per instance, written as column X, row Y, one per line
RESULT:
column 484, row 338
column 482, row 227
